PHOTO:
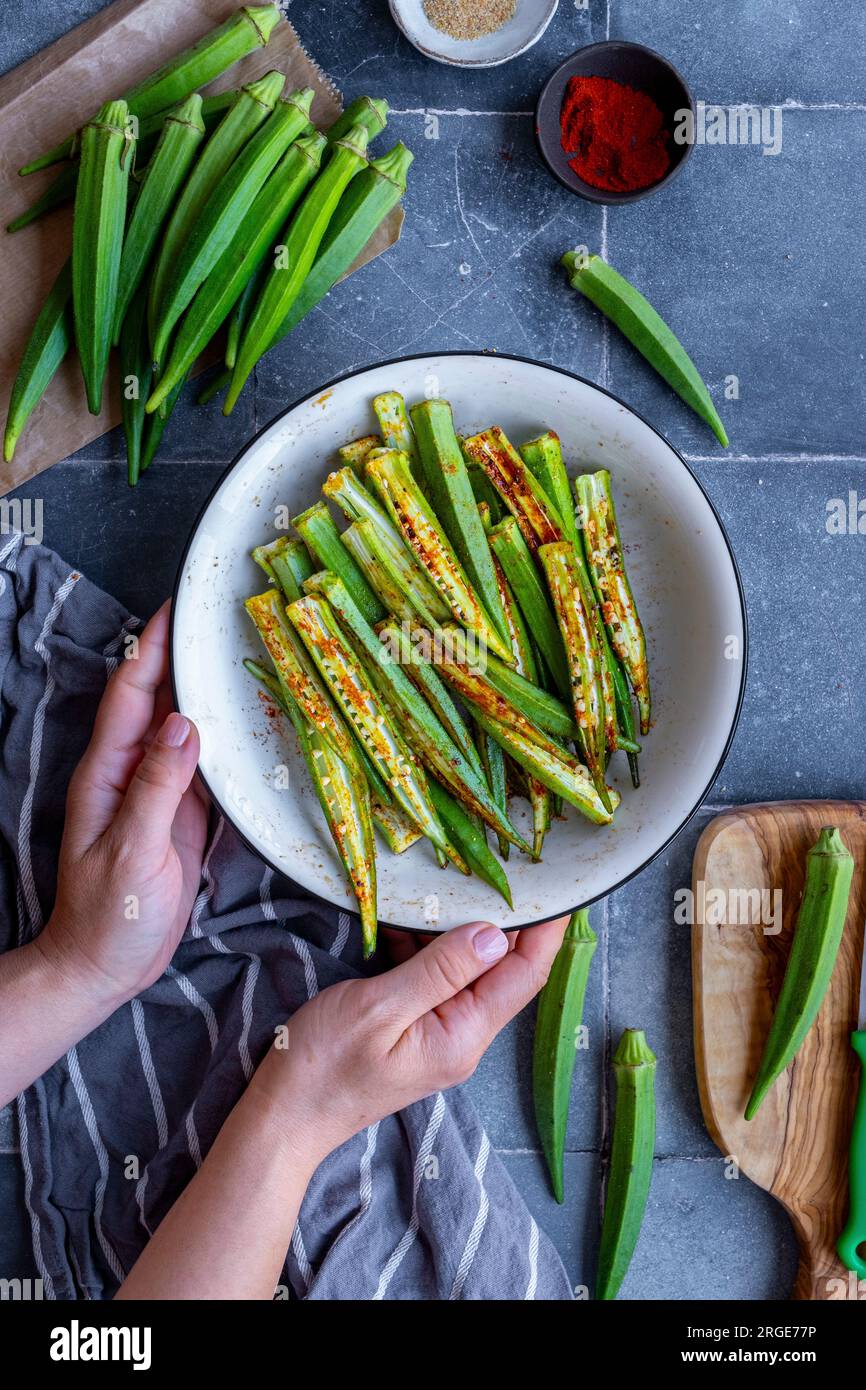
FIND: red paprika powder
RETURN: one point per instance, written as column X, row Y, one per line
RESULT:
column 615, row 136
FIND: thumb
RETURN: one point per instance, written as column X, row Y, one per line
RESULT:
column 444, row 968
column 159, row 782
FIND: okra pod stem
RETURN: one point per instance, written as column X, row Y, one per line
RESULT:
column 181, row 135
column 250, row 107
column 247, row 29
column 817, row 936
column 390, row 475
column 317, row 529
column 371, row 113
column 521, row 492
column 97, row 240
column 510, row 548
column 646, row 330
column 48, row 344
column 606, row 566
column 245, row 254
column 225, row 209
column 61, row 191
column 631, row 1160
column 560, row 1011
column 304, row 236
column 577, row 625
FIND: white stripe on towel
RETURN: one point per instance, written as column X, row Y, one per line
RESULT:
column 533, row 1262
column 471, row 1248
column 408, row 1237
column 344, row 923
column 101, row 1157
column 36, row 1225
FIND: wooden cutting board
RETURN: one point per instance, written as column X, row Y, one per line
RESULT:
column 40, row 102
column 796, row 1147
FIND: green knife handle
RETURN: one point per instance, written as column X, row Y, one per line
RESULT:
column 854, row 1234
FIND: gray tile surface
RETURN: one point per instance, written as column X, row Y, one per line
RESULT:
column 757, row 261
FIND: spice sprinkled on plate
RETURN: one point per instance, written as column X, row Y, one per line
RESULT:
column 468, row 19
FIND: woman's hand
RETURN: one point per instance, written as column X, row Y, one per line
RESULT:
column 366, row 1048
column 130, row 861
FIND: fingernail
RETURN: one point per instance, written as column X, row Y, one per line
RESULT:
column 175, row 731
column 490, row 943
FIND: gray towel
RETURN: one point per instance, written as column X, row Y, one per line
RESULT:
column 415, row 1207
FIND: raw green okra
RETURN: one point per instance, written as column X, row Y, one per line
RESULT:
column 469, row 839
column 442, row 466
column 508, row 545
column 303, row 238
column 345, row 801
column 363, row 207
column 422, row 729
column 252, row 105
column 646, row 330
column 314, row 620
column 371, row 113
column 409, row 509
column 181, row 135
column 817, row 937
column 246, row 252
column 155, row 425
column 240, row 314
column 572, row 601
column 316, row 528
column 358, row 504
column 560, row 1010
column 61, row 191
column 248, row 28
column 97, row 240
column 631, row 1160
column 135, row 376
column 299, row 675
column 48, row 344
column 606, row 567
column 519, row 489
column 225, row 209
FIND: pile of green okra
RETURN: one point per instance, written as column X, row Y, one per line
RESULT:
column 471, row 634
column 191, row 213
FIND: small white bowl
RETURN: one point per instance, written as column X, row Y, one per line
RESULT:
column 523, row 29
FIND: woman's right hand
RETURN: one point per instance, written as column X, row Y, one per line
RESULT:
column 364, row 1049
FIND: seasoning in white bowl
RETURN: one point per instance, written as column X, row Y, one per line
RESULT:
column 468, row 19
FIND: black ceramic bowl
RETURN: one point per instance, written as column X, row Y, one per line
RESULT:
column 635, row 66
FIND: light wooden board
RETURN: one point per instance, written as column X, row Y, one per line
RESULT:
column 40, row 102
column 796, row 1147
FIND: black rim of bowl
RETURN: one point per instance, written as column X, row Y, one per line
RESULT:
column 499, row 357
column 547, row 123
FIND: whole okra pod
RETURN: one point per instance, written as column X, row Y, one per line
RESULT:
column 510, row 548
column 135, row 377
column 560, row 1010
column 225, row 209
column 97, row 240
column 317, row 529
column 604, row 557
column 247, row 29
column 48, row 344
column 303, row 238
column 250, row 107
column 631, row 1160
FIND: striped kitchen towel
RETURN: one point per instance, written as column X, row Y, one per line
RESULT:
column 415, row 1207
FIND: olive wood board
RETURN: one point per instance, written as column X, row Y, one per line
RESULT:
column 41, row 101
column 796, row 1147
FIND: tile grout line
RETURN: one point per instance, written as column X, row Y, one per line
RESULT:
column 606, row 1054
column 79, row 458
column 783, row 106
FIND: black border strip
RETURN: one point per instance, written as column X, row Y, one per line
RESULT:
column 502, row 357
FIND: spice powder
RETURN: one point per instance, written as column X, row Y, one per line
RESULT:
column 468, row 19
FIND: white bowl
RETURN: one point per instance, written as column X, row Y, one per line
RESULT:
column 683, row 574
column 522, row 30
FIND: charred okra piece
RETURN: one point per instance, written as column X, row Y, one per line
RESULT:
column 574, row 613
column 519, row 489
column 543, row 458
column 468, row 837
column 411, row 713
column 345, row 801
column 389, row 473
column 314, row 620
column 606, row 567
